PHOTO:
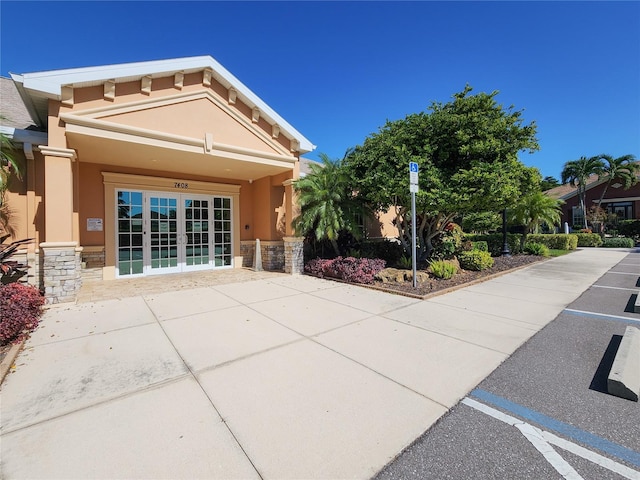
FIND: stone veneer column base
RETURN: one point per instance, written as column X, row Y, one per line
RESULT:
column 61, row 271
column 293, row 255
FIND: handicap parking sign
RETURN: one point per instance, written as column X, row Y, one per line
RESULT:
column 413, row 167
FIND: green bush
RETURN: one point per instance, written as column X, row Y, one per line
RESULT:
column 556, row 241
column 629, row 228
column 480, row 245
column 589, row 239
column 533, row 248
column 475, row 260
column 618, row 242
column 388, row 250
column 494, row 242
column 443, row 269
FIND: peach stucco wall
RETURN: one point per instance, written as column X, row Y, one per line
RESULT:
column 255, row 212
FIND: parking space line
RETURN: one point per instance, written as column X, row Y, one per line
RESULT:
column 533, row 434
column 601, row 316
column 582, row 436
column 623, row 273
column 617, row 288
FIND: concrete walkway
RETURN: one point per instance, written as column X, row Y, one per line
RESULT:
column 278, row 377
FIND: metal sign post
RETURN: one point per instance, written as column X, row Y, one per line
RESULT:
column 413, row 188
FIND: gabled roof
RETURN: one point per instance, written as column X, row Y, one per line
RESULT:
column 36, row 88
column 567, row 190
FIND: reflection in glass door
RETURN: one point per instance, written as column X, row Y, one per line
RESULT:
column 196, row 226
column 130, row 259
column 163, row 233
column 169, row 232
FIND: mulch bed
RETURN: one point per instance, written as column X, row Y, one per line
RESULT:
column 436, row 285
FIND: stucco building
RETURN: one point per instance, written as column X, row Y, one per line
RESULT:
column 149, row 168
column 624, row 203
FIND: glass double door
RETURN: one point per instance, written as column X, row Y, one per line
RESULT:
column 167, row 233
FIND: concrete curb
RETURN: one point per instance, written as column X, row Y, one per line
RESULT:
column 624, row 378
column 9, row 358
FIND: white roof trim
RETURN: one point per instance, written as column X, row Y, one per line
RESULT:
column 49, row 83
column 25, row 136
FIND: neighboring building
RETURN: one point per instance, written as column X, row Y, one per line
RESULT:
column 149, row 168
column 623, row 203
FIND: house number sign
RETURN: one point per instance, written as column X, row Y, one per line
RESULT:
column 182, row 185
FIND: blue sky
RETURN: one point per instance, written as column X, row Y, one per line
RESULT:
column 338, row 70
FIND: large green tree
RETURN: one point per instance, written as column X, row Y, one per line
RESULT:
column 467, row 152
column 577, row 173
column 327, row 204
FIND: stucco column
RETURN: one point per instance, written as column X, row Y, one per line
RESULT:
column 58, row 193
column 292, row 210
column 61, row 255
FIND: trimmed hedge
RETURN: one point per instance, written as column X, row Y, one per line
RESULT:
column 494, row 242
column 555, row 241
column 618, row 242
column 589, row 239
column 629, row 228
column 475, row 260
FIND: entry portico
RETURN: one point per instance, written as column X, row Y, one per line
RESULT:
column 156, row 167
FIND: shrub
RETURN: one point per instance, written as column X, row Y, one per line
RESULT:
column 556, row 241
column 629, row 228
column 618, row 242
column 494, row 242
column 475, row 260
column 443, row 269
column 19, row 311
column 589, row 239
column 350, row 269
column 533, row 248
column 388, row 250
column 480, row 245
column 11, row 270
column 405, row 262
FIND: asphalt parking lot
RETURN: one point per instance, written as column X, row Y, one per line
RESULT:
column 545, row 412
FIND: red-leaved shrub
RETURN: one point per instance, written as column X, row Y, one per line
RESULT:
column 20, row 308
column 350, row 269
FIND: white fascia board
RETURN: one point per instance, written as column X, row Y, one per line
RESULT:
column 50, row 83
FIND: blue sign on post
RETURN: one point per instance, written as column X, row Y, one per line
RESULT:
column 413, row 167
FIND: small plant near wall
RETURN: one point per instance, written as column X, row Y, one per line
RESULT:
column 11, row 270
column 20, row 309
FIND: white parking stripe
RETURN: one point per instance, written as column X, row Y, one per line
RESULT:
column 617, row 288
column 532, row 436
column 594, row 457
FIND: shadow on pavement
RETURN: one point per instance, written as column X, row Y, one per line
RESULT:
column 599, row 380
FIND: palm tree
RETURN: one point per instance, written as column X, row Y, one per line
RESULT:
column 8, row 166
column 327, row 203
column 577, row 173
column 534, row 210
column 624, row 169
